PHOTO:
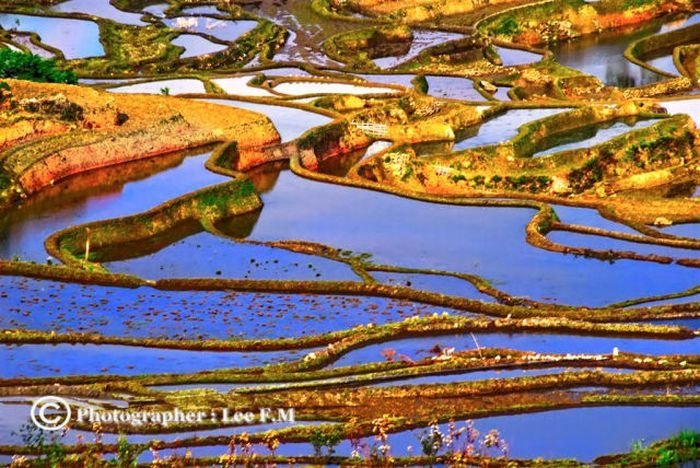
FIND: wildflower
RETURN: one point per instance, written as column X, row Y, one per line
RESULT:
column 472, row 432
column 271, row 441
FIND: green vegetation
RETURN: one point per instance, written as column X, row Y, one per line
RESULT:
column 417, row 127
column 5, row 180
column 358, row 48
column 127, row 454
column 507, row 26
column 322, row 437
column 131, row 48
column 31, row 67
column 683, row 447
column 628, row 4
column 47, row 444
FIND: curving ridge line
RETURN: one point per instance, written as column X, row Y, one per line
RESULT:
column 543, row 222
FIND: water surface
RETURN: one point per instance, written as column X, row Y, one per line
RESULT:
column 602, row 55
column 204, row 255
column 224, row 30
column 453, row 87
column 290, row 122
column 148, row 313
column 595, row 135
column 421, row 41
column 301, row 88
column 178, row 86
column 88, row 359
column 100, row 8
column 514, row 57
column 103, row 194
column 552, row 434
column 196, row 45
column 503, row 127
column 559, row 434
column 75, row 38
column 420, row 348
column 239, row 86
column 605, row 243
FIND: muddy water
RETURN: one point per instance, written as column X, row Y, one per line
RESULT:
column 307, row 29
column 421, row 40
column 664, row 63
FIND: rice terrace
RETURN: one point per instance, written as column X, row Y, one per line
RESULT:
column 457, row 233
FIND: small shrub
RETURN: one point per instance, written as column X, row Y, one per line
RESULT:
column 50, row 451
column 507, row 27
column 325, row 438
column 127, row 454
column 31, row 67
